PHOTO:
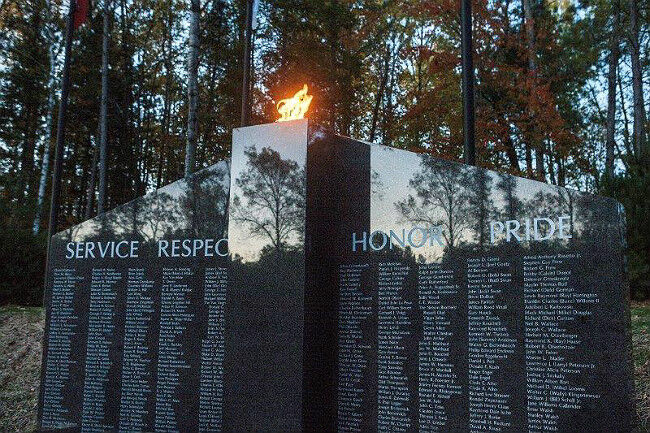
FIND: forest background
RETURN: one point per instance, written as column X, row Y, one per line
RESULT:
column 560, row 97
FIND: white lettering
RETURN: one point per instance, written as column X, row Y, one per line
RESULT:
column 383, row 237
column 496, row 228
column 362, row 241
column 162, row 248
column 70, row 254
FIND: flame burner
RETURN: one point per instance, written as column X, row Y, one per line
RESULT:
column 295, row 107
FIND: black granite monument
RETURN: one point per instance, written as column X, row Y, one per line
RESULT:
column 135, row 329
column 361, row 289
column 447, row 298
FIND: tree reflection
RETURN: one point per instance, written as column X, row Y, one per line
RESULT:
column 554, row 202
column 159, row 215
column 482, row 208
column 196, row 208
column 206, row 203
column 513, row 205
column 272, row 202
column 441, row 198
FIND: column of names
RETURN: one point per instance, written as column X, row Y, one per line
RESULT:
column 62, row 328
column 355, row 308
column 490, row 344
column 136, row 362
column 394, row 326
column 175, row 314
column 551, row 305
column 438, row 380
column 213, row 351
column 101, row 315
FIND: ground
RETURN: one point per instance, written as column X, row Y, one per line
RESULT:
column 641, row 348
column 21, row 331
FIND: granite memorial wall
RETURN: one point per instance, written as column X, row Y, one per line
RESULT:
column 461, row 300
column 317, row 283
column 265, row 295
column 156, row 322
column 135, row 335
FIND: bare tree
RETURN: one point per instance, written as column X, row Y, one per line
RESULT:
column 532, row 66
column 481, row 204
column 90, row 192
column 441, row 198
column 383, row 78
column 512, row 204
column 274, row 193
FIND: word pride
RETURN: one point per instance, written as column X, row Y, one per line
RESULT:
column 538, row 229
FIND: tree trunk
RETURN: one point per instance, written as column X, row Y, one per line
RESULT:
column 90, row 193
column 511, row 153
column 561, row 176
column 124, row 182
column 45, row 160
column 103, row 113
column 389, row 115
column 192, row 88
column 380, row 94
column 611, row 94
column 51, row 86
column 167, row 103
column 626, row 120
column 529, row 161
column 532, row 66
column 640, row 147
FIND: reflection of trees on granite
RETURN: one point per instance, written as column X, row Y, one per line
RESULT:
column 70, row 234
column 206, row 204
column 554, row 202
column 376, row 185
column 272, row 201
column 159, row 216
column 465, row 200
column 396, row 253
column 168, row 212
column 441, row 198
column 567, row 202
column 605, row 220
column 482, row 209
column 513, row 205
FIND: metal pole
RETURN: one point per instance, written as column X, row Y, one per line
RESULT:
column 245, row 100
column 468, row 82
column 60, row 135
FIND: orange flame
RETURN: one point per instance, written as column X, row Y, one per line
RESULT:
column 295, row 107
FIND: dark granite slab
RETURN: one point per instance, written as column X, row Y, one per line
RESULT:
column 364, row 289
column 459, row 299
column 135, row 332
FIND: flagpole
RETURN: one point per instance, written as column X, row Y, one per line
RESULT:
column 468, row 82
column 245, row 100
column 60, row 134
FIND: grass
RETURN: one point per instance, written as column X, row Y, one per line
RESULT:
column 641, row 353
column 21, row 331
